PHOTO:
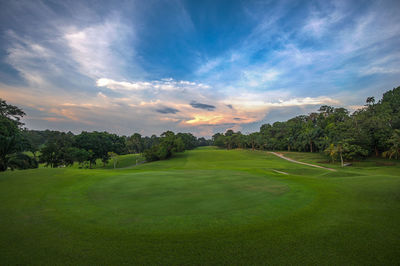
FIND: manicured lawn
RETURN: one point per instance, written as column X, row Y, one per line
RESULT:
column 204, row 206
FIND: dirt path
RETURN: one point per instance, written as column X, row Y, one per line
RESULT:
column 294, row 161
column 280, row 172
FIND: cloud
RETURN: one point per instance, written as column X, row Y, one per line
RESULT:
column 207, row 107
column 96, row 70
column 71, row 55
column 254, row 78
column 167, row 110
column 331, row 47
column 379, row 70
column 122, row 85
column 154, row 85
column 27, row 57
column 353, row 108
column 209, row 66
column 257, row 101
column 321, row 20
column 98, row 48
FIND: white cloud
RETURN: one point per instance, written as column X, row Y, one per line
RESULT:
column 28, row 57
column 384, row 65
column 209, row 65
column 155, row 85
column 255, row 78
column 379, row 70
column 264, row 100
column 316, row 26
column 93, row 51
column 319, row 23
column 100, row 49
column 122, row 85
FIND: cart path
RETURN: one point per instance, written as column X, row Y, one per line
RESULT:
column 294, row 161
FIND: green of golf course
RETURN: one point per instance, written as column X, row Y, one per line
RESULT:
column 205, row 206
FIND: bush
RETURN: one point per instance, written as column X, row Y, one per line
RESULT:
column 22, row 161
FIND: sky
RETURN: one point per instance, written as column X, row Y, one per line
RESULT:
column 192, row 66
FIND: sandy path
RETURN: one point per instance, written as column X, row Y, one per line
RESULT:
column 294, row 161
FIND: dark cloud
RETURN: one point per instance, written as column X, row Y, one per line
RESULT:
column 237, row 119
column 229, row 106
column 167, row 110
column 202, row 106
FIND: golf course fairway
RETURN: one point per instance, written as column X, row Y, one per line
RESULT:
column 205, row 206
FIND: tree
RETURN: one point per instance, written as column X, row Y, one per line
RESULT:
column 345, row 151
column 33, row 141
column 352, row 151
column 394, row 149
column 188, row 139
column 331, row 151
column 114, row 157
column 81, row 156
column 370, row 101
column 228, row 141
column 135, row 143
column 339, row 149
column 308, row 134
column 326, row 110
column 335, row 150
column 9, row 139
column 374, row 122
column 58, row 150
column 10, row 133
column 218, row 140
column 11, row 112
column 22, row 161
column 254, row 140
column 168, row 144
column 98, row 144
column 229, row 132
column 203, row 142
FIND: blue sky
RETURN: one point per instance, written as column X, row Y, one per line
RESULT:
column 192, row 66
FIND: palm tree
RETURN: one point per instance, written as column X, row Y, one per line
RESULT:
column 331, row 151
column 339, row 148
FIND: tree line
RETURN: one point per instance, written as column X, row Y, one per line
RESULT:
column 88, row 148
column 371, row 130
column 55, row 148
column 341, row 135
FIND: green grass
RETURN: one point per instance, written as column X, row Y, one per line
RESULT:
column 204, row 206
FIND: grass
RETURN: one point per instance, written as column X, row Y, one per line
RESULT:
column 204, row 206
